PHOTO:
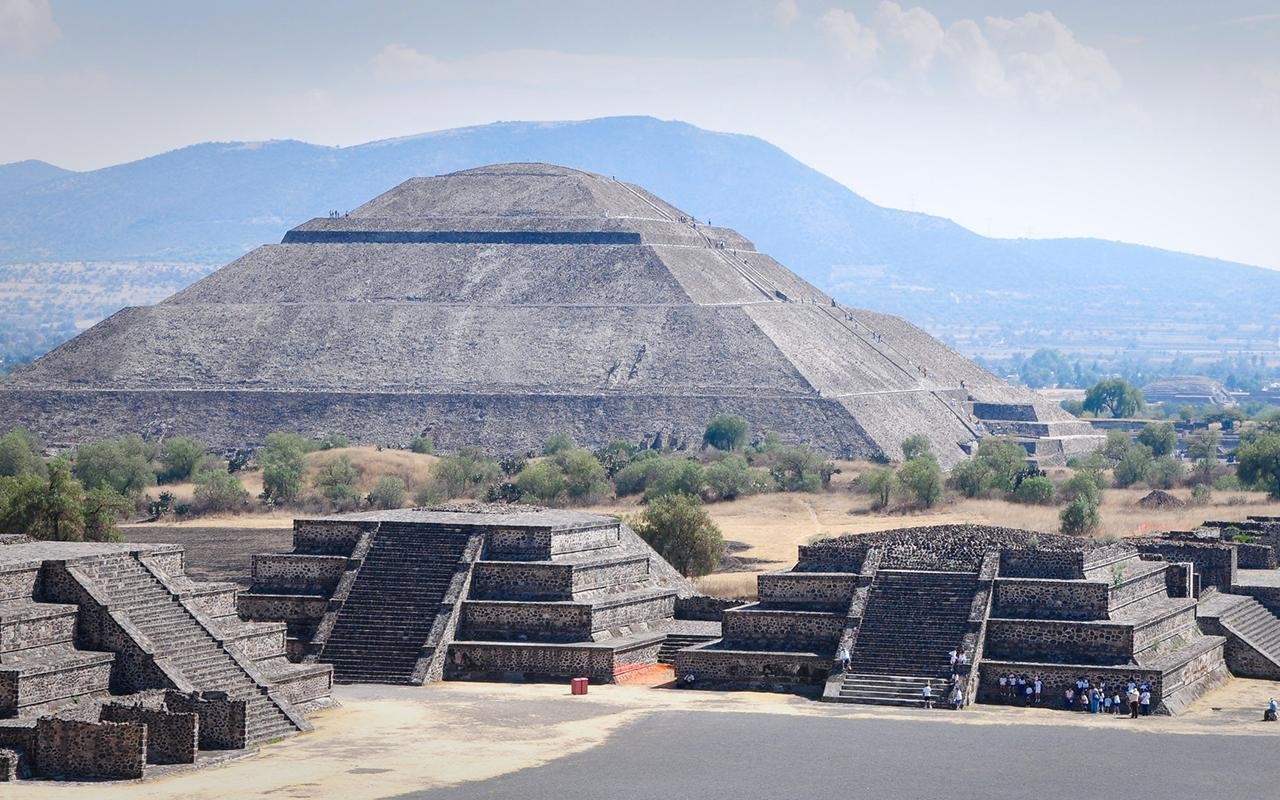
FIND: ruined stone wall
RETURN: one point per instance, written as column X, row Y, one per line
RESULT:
column 54, row 624
column 1136, row 581
column 1255, row 556
column 18, row 582
column 705, row 608
column 1161, row 628
column 607, row 614
column 549, row 622
column 1215, row 563
column 59, row 682
column 222, row 721
column 331, row 537
column 1030, row 563
column 76, row 749
column 172, row 737
column 530, row 660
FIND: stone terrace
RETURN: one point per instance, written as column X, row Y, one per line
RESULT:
column 112, row 659
column 1009, row 600
column 473, row 592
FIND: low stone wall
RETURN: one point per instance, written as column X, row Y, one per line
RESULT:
column 333, row 537
column 703, row 607
column 1255, row 556
column 57, row 682
column 1058, row 641
column 618, row 612
column 222, row 721
column 548, row 622
column 284, row 607
column 1061, row 565
column 1269, row 596
column 1215, row 563
column 311, row 573
column 814, row 588
column 8, row 765
column 40, row 625
column 1043, row 598
column 171, row 736
column 18, row 582
column 1159, row 629
column 531, row 661
column 754, row 628
column 521, row 580
column 722, row 667
column 1137, row 581
column 1057, row 678
column 76, row 749
column 540, row 544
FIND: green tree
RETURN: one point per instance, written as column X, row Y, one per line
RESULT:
column 1117, row 446
column 1133, row 467
column 220, row 492
column 1160, row 437
column 971, row 477
column 1080, row 517
column 584, row 476
column 1202, row 449
column 915, row 446
column 726, row 432
column 1004, row 458
column 558, row 442
column 20, row 454
column 921, row 478
column 336, row 480
column 57, row 507
column 636, row 476
column 543, row 481
column 1116, row 396
column 180, row 457
column 1164, row 473
column 334, row 441
column 1034, row 490
column 879, row 483
column 283, row 460
column 388, row 492
column 422, row 445
column 1085, row 483
column 123, row 465
column 731, row 478
column 1046, row 368
column 800, row 469
column 678, row 527
column 465, row 472
column 1258, row 462
column 675, row 476
column 616, row 455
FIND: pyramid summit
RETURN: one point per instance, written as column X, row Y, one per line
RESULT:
column 496, row 306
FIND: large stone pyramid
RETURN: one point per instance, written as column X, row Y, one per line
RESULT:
column 498, row 305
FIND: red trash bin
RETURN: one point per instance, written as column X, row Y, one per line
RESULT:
column 578, row 685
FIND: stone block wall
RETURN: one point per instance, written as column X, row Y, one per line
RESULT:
column 76, row 749
column 1255, row 556
column 1215, row 563
column 1059, row 641
column 1058, row 677
column 1137, row 580
column 307, row 572
column 1037, row 598
column 57, row 682
column 1062, row 565
column 172, row 737
column 724, row 666
column 753, row 628
column 221, row 720
column 39, row 625
column 1159, row 629
column 531, row 661
column 8, row 765
column 523, row 580
column 704, row 608
column 812, row 588
column 332, row 537
column 19, row 582
column 548, row 622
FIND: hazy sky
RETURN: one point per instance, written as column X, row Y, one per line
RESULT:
column 1151, row 122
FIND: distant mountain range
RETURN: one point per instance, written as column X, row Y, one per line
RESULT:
column 212, row 202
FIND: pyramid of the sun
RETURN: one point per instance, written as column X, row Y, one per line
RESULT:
column 498, row 305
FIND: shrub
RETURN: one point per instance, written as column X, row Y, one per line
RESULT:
column 337, row 481
column 1258, row 462
column 678, row 527
column 388, row 492
column 1115, row 396
column 730, row 478
column 543, row 481
column 1118, row 445
column 1086, row 484
column 283, row 460
column 615, row 456
column 1164, row 473
column 879, row 483
column 1160, row 437
column 334, row 441
column 971, row 477
column 585, row 479
column 422, row 445
column 915, row 446
column 1201, row 494
column 1004, row 459
column 239, row 460
column 20, row 454
column 512, row 463
column 1035, row 490
column 726, row 432
column 635, row 477
column 1228, row 483
column 1079, row 518
column 505, row 492
column 220, row 492
column 467, row 471
column 800, row 469
column 675, row 476
column 180, row 458
column 122, row 465
column 1132, row 467
column 921, row 479
column 558, row 442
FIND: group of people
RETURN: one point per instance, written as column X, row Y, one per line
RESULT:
column 1091, row 696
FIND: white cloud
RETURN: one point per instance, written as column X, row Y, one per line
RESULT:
column 1034, row 56
column 785, row 12
column 26, row 26
column 856, row 44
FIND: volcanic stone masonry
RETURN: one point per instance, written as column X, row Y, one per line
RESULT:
column 1010, row 601
column 112, row 659
column 496, row 306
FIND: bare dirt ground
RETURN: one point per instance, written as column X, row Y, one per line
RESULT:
column 386, row 741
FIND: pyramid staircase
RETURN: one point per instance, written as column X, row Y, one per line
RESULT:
column 677, row 641
column 187, row 646
column 382, row 628
column 1253, row 633
column 913, row 619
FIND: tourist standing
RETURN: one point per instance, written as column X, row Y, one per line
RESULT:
column 927, row 694
column 957, row 698
column 844, row 657
column 1004, row 686
column 1133, row 698
column 1106, row 704
column 1116, row 703
column 1145, row 700
column 1068, row 699
column 1038, row 685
